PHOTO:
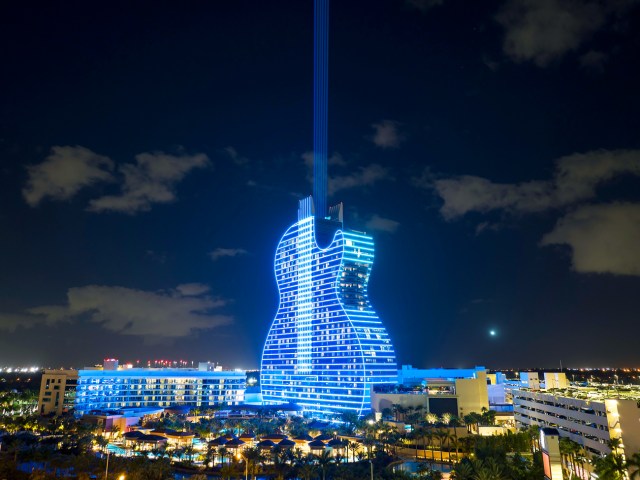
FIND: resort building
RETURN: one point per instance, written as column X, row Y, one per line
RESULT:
column 57, row 391
column 588, row 416
column 326, row 346
column 113, row 421
column 454, row 391
column 117, row 389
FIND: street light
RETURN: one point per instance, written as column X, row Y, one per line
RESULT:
column 370, row 452
column 246, row 465
column 106, row 470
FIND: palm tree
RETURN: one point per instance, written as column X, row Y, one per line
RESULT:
column 443, row 436
column 455, row 442
column 490, row 469
column 430, row 436
column 253, row 457
column 494, row 468
column 633, row 463
column 446, row 418
column 580, row 456
column 614, row 444
column 431, row 418
column 222, row 453
column 455, row 422
column 413, row 437
column 463, row 471
column 280, row 464
column 353, row 446
column 566, row 454
column 189, row 450
column 102, row 442
column 610, row 467
column 306, row 467
column 162, row 451
column 324, row 460
column 228, row 471
column 423, row 470
column 534, row 435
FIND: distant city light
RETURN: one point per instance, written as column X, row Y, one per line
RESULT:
column 19, row 369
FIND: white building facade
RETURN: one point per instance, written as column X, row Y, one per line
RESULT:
column 589, row 423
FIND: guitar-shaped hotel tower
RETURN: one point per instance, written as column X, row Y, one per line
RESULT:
column 326, row 346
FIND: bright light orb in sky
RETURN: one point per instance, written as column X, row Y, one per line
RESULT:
column 492, row 333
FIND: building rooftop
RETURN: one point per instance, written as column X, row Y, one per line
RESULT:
column 162, row 372
column 596, row 393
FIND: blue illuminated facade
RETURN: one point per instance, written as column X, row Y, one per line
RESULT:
column 157, row 387
column 326, row 346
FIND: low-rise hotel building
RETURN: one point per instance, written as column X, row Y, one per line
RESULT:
column 454, row 391
column 117, row 388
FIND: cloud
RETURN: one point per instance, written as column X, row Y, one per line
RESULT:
column 192, row 289
column 64, row 172
column 9, row 322
column 594, row 60
column 386, row 134
column 360, row 177
column 542, row 31
column 575, row 179
column 152, row 179
column 235, row 157
column 129, row 311
column 364, row 176
column 219, row 253
column 160, row 257
column 603, row 238
column 381, row 224
column 486, row 227
column 424, row 5
column 468, row 193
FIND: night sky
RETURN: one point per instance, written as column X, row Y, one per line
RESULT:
column 153, row 153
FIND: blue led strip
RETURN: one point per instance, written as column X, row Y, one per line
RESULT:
column 320, row 105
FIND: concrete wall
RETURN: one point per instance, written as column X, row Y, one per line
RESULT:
column 472, row 394
column 555, row 380
column 380, row 401
column 624, row 423
column 53, row 386
column 497, row 394
column 530, row 380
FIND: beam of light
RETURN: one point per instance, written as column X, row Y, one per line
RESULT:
column 320, row 105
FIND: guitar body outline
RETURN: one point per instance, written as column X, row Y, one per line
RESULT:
column 326, row 345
